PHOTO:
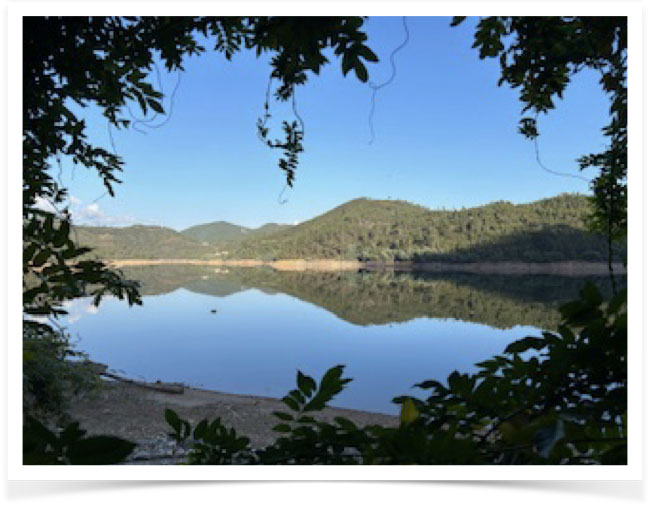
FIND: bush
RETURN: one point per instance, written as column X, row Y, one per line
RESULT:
column 48, row 373
column 70, row 446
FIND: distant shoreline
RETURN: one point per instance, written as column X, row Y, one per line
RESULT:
column 567, row 268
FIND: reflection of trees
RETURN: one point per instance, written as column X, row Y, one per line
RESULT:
column 374, row 298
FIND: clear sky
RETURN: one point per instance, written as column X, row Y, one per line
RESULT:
column 445, row 136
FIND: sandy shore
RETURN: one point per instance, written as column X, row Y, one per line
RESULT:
column 567, row 268
column 137, row 413
column 283, row 265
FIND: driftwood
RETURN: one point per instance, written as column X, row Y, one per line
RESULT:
column 102, row 370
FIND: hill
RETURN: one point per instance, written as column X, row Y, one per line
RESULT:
column 226, row 233
column 548, row 230
column 139, row 242
column 213, row 232
column 551, row 229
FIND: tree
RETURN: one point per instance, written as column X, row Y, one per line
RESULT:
column 105, row 62
column 538, row 56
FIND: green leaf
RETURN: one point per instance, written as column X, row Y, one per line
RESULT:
column 521, row 345
column 617, row 302
column 141, row 101
column 291, row 403
column 97, row 450
column 428, row 384
column 332, row 378
column 297, row 396
column 63, row 234
column 591, row 294
column 306, row 419
column 156, row 106
column 41, row 257
column 173, row 420
column 71, row 433
column 347, row 63
column 306, row 384
column 282, row 427
column 29, row 251
column 283, row 416
column 368, row 54
column 409, row 412
column 200, row 429
column 354, row 22
column 345, row 423
column 361, row 71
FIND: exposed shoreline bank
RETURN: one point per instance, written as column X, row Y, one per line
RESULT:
column 567, row 268
column 136, row 413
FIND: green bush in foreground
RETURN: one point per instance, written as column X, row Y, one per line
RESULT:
column 70, row 446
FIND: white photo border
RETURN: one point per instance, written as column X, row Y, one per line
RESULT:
column 632, row 471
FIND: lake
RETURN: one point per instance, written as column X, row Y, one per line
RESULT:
column 248, row 330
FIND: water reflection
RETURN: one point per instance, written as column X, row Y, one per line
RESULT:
column 376, row 298
column 390, row 330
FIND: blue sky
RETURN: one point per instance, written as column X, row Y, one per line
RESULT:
column 445, row 136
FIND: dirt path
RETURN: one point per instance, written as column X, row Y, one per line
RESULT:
column 136, row 413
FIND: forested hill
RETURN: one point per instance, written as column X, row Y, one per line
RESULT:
column 370, row 230
column 547, row 230
column 226, row 233
column 139, row 242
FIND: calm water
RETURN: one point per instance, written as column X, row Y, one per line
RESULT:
column 389, row 330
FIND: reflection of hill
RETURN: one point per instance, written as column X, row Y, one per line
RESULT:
column 156, row 280
column 374, row 298
column 384, row 297
column 551, row 289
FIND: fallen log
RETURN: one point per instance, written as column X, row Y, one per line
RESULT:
column 102, row 370
column 173, row 388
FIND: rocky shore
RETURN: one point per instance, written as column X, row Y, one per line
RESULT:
column 137, row 413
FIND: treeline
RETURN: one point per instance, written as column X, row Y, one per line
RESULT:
column 552, row 229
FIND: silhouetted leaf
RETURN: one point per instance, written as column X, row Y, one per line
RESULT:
column 408, row 413
column 361, row 71
column 283, row 416
column 306, row 384
column 156, row 106
column 97, row 450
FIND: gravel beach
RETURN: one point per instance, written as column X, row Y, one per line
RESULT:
column 136, row 413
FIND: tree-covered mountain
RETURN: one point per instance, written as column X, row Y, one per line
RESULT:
column 226, row 233
column 139, row 242
column 551, row 229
